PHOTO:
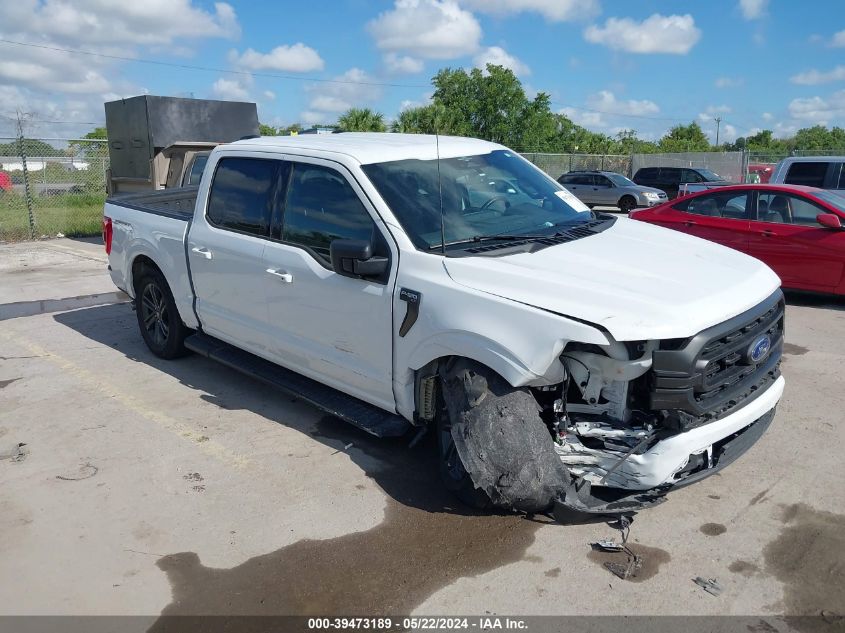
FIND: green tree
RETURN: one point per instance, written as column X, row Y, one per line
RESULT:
column 361, row 120
column 685, row 138
column 91, row 150
column 267, row 130
column 434, row 118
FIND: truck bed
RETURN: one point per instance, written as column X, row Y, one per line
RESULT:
column 154, row 224
column 177, row 203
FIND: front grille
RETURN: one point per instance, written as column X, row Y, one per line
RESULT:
column 718, row 371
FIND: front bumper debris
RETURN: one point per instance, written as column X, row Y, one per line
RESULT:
column 581, row 501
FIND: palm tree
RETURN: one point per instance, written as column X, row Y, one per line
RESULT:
column 361, row 120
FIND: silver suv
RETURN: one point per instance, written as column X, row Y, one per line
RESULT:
column 607, row 188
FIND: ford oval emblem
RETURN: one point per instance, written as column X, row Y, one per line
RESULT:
column 759, row 349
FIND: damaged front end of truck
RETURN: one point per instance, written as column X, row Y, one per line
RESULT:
column 628, row 423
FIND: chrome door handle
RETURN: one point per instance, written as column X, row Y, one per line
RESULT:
column 281, row 274
column 202, row 251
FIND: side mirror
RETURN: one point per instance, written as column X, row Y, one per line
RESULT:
column 829, row 220
column 354, row 258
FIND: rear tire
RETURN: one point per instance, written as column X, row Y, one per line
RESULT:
column 158, row 319
column 627, row 204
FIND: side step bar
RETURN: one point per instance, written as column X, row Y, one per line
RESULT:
column 363, row 415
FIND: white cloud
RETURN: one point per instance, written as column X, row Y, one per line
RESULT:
column 753, row 9
column 431, row 29
column 297, row 58
column 230, row 90
column 500, row 57
column 269, row 95
column 728, row 82
column 328, row 100
column 584, row 118
column 818, row 109
column 96, row 22
column 713, row 111
column 838, row 39
column 68, row 87
column 402, row 64
column 815, row 77
column 768, row 116
column 606, row 102
column 674, row 34
column 552, row 10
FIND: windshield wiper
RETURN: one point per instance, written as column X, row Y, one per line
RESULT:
column 498, row 236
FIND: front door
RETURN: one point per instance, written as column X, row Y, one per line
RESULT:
column 786, row 236
column 720, row 217
column 322, row 324
column 226, row 250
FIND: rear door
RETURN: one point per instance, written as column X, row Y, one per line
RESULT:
column 786, row 236
column 604, row 191
column 226, row 249
column 333, row 328
column 581, row 185
column 720, row 217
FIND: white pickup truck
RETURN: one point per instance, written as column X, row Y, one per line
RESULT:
column 568, row 360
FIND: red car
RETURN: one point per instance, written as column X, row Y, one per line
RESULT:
column 5, row 181
column 798, row 231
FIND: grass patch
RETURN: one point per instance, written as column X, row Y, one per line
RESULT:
column 74, row 215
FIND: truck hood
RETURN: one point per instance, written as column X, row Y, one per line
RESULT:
column 635, row 280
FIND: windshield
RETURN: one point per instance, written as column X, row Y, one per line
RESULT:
column 620, row 181
column 490, row 194
column 709, row 176
column 834, row 199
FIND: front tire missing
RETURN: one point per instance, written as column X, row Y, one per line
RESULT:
column 500, row 440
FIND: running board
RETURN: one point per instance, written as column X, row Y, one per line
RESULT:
column 365, row 416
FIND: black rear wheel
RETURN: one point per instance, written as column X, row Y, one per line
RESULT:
column 627, row 203
column 158, row 319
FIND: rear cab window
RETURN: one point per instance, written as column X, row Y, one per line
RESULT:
column 243, row 194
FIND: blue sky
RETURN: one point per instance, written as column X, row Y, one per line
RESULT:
column 608, row 64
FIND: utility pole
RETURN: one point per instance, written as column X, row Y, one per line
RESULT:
column 26, row 187
column 718, row 121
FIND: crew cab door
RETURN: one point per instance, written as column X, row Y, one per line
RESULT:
column 719, row 217
column 787, row 237
column 333, row 328
column 225, row 251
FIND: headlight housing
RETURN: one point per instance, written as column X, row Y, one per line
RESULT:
column 651, row 195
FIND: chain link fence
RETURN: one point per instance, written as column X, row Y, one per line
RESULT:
column 51, row 187
column 731, row 166
column 557, row 164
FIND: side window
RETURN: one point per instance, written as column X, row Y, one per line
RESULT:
column 721, row 205
column 690, row 175
column 241, row 196
column 670, row 176
column 806, row 173
column 197, row 168
column 321, row 207
column 782, row 208
column 567, row 179
column 646, row 173
column 601, row 181
column 839, row 183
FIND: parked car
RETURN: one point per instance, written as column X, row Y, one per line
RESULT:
column 824, row 172
column 762, row 172
column 5, row 181
column 797, row 231
column 607, row 188
column 563, row 358
column 670, row 179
